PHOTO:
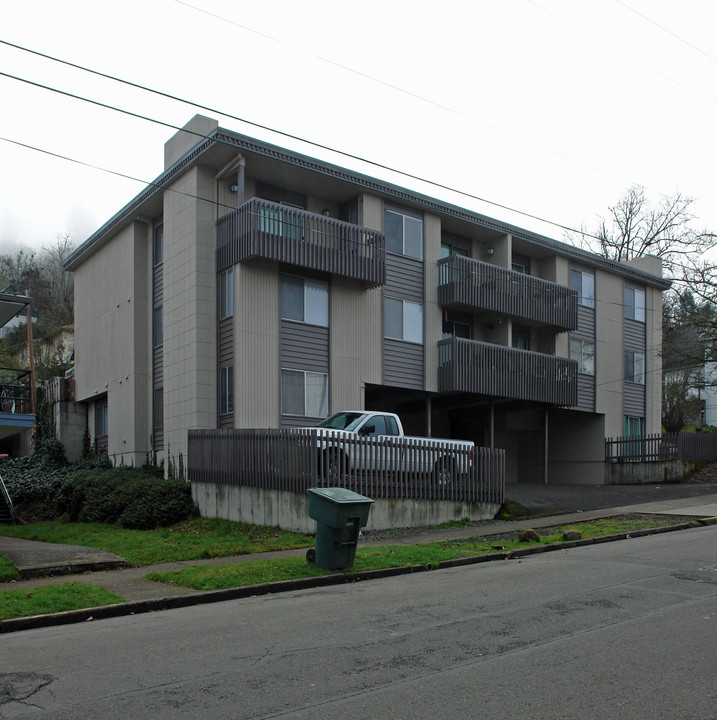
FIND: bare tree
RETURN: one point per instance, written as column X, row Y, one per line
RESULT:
column 636, row 227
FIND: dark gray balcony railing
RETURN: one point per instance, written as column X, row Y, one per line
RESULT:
column 472, row 285
column 260, row 228
column 15, row 391
column 503, row 372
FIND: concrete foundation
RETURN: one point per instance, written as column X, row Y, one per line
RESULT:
column 670, row 471
column 290, row 511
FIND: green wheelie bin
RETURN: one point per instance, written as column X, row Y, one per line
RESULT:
column 340, row 514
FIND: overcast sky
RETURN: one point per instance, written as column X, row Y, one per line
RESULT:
column 549, row 107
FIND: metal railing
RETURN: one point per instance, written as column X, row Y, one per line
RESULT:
column 472, row 285
column 260, row 228
column 15, row 396
column 379, row 467
column 503, row 372
column 7, row 500
column 696, row 447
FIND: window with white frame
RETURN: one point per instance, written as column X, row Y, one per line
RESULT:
column 403, row 320
column 584, row 352
column 584, row 283
column 635, row 367
column 304, row 393
column 226, row 293
column 305, row 300
column 404, row 233
column 226, row 390
column 635, row 304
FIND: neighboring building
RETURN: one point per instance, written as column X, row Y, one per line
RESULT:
column 17, row 418
column 251, row 286
column 57, row 349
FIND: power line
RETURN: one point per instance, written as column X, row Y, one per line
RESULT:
column 404, row 91
column 418, row 178
column 625, row 53
column 668, row 31
column 111, row 172
column 217, row 204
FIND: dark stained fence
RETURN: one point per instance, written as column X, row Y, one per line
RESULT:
column 696, row 447
column 471, row 284
column 260, row 228
column 378, row 467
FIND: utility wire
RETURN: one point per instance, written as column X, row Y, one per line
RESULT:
column 404, row 91
column 433, row 183
column 668, row 31
column 625, row 53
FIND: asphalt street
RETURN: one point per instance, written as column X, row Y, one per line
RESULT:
column 620, row 630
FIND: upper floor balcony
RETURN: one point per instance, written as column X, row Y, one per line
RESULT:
column 504, row 372
column 260, row 228
column 471, row 285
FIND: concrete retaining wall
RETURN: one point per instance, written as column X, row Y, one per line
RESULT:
column 290, row 511
column 635, row 473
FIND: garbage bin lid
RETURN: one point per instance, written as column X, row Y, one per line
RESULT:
column 339, row 495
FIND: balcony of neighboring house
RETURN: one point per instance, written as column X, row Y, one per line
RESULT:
column 471, row 285
column 498, row 371
column 264, row 229
column 15, row 402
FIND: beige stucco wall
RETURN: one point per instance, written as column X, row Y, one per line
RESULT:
column 432, row 312
column 355, row 342
column 257, row 374
column 181, row 142
column 189, row 308
column 111, row 338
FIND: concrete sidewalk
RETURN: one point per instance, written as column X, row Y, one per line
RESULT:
column 570, row 503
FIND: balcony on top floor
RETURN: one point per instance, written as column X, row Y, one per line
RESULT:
column 470, row 285
column 503, row 372
column 264, row 229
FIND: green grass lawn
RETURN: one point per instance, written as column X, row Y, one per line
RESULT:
column 8, row 571
column 219, row 577
column 190, row 540
column 52, row 599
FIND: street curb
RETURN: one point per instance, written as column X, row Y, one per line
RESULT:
column 71, row 567
column 201, row 598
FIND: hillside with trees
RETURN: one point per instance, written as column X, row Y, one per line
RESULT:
column 41, row 276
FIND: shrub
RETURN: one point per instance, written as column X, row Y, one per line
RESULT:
column 93, row 492
column 129, row 497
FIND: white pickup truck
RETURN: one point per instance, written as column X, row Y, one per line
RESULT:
column 379, row 445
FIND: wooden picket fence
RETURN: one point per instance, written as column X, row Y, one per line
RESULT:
column 697, row 447
column 384, row 467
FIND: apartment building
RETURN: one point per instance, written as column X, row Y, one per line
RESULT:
column 251, row 286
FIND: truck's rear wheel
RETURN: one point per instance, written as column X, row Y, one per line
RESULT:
column 444, row 472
